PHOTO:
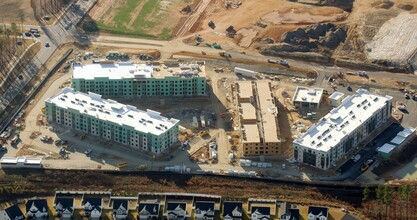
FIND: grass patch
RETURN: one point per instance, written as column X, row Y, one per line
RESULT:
column 165, row 34
column 124, row 31
column 142, row 20
column 147, row 21
column 123, row 15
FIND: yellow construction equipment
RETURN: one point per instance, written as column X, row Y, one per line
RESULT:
column 121, row 165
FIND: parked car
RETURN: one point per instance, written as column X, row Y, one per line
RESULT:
column 28, row 34
column 88, row 151
column 14, row 140
column 3, row 148
column 364, row 167
column 356, row 158
column 46, row 138
column 47, row 44
column 36, row 35
column 369, row 162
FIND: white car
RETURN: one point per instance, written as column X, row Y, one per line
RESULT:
column 356, row 158
column 369, row 162
column 88, row 151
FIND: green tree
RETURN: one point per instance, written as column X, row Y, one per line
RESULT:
column 387, row 198
column 90, row 26
column 366, row 193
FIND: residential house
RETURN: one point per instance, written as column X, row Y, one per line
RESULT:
column 317, row 213
column 92, row 207
column 36, row 209
column 120, row 209
column 291, row 214
column 204, row 210
column 232, row 210
column 176, row 210
column 148, row 211
column 12, row 213
column 260, row 213
column 64, row 207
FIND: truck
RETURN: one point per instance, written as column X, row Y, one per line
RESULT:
column 14, row 140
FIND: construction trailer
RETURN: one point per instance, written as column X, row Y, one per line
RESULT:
column 245, row 72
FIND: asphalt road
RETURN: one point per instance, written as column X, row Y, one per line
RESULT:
column 55, row 35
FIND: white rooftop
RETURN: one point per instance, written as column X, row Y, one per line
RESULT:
column 386, row 148
column 341, row 121
column 311, row 95
column 22, row 159
column 119, row 70
column 148, row 121
column 336, row 95
column 123, row 70
column 397, row 140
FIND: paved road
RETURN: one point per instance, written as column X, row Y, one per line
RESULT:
column 55, row 35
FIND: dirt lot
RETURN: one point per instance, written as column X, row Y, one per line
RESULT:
column 10, row 11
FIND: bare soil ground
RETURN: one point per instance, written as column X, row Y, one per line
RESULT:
column 365, row 21
column 10, row 11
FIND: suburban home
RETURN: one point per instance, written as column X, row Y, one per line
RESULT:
column 92, row 207
column 260, row 213
column 317, row 213
column 148, row 211
column 291, row 214
column 120, row 209
column 176, row 210
column 64, row 207
column 36, row 209
column 12, row 213
column 232, row 210
column 204, row 210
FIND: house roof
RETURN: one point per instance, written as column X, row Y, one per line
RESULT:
column 317, row 210
column 95, row 202
column 65, row 203
column 148, row 209
column 14, row 212
column 205, row 206
column 174, row 205
column 230, row 207
column 261, row 210
column 294, row 214
column 40, row 204
column 120, row 203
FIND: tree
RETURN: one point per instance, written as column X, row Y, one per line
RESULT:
column 387, row 197
column 366, row 193
column 90, row 26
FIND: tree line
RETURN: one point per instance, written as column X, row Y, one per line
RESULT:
column 44, row 8
column 393, row 203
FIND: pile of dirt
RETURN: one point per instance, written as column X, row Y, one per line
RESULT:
column 406, row 7
column 383, row 4
column 315, row 38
